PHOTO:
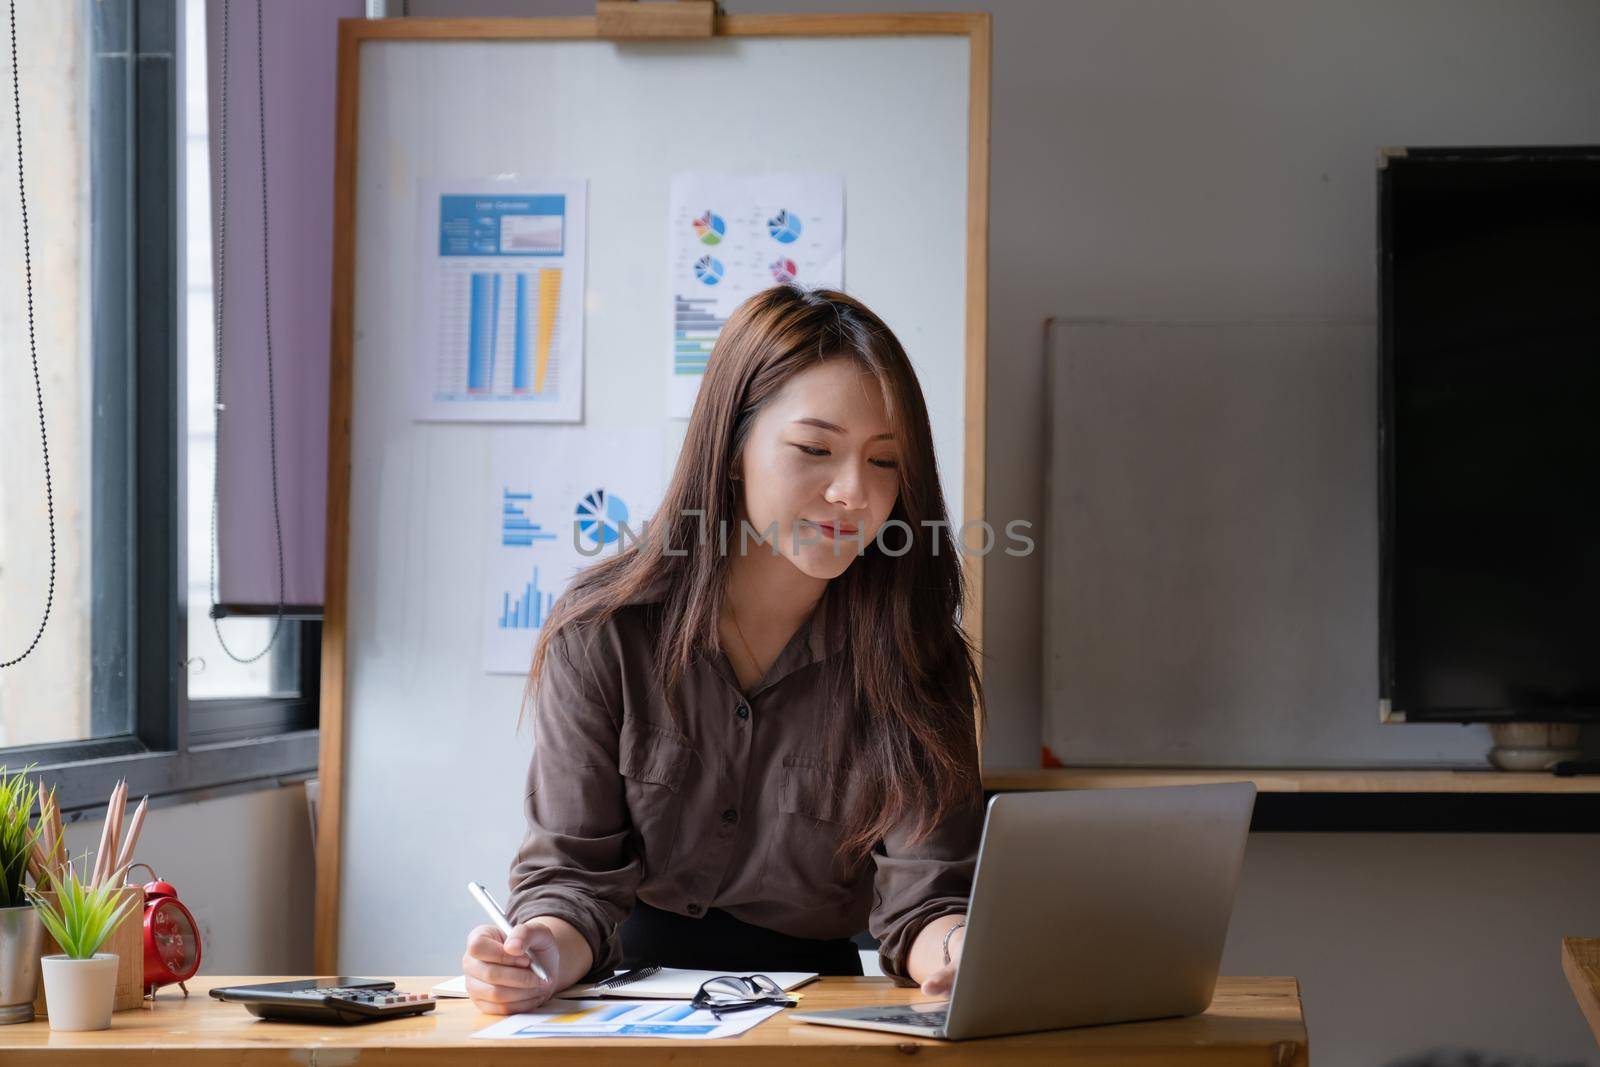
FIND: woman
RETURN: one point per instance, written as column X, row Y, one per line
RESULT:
column 755, row 729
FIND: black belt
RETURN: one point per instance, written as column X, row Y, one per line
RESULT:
column 719, row 942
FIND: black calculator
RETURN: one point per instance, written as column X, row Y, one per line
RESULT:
column 327, row 1000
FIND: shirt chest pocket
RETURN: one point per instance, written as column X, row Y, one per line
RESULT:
column 655, row 763
column 802, row 864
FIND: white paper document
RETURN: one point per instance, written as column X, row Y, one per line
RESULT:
column 733, row 235
column 499, row 301
column 670, row 983
column 561, row 498
column 451, row 987
column 677, row 983
column 625, row 1018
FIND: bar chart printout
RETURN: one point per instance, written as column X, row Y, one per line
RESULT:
column 530, row 608
column 517, row 525
column 695, row 330
column 624, row 1018
column 500, row 303
column 561, row 498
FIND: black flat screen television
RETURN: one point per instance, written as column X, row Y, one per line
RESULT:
column 1489, row 434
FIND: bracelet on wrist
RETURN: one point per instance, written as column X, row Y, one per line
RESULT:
column 947, row 934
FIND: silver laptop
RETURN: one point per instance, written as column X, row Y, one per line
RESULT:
column 1088, row 907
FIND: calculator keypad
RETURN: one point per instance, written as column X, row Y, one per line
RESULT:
column 378, row 996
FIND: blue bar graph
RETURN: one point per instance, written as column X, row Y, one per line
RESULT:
column 519, row 359
column 517, row 528
column 605, row 1015
column 676, row 1013
column 695, row 330
column 654, row 1029
column 494, row 329
column 529, row 610
column 481, row 331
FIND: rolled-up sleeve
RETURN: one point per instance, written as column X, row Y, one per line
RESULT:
column 575, row 863
column 917, row 883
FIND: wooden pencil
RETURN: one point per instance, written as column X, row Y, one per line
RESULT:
column 125, row 857
column 116, row 826
column 105, row 837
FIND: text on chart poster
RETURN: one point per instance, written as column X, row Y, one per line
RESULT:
column 731, row 237
column 500, row 281
column 562, row 499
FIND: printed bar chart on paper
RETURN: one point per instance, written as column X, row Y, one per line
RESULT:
column 525, row 323
column 564, row 498
column 517, row 526
column 530, row 608
column 500, row 309
column 695, row 330
column 732, row 235
column 599, row 1018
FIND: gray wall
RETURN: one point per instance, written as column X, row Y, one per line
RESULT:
column 1409, row 943
column 1199, row 160
column 1125, row 135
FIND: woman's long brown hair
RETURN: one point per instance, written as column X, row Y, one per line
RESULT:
column 909, row 735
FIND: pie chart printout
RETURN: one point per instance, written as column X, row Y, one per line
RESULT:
column 730, row 237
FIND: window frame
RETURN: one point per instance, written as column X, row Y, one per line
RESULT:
column 152, row 734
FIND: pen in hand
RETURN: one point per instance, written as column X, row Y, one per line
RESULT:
column 481, row 895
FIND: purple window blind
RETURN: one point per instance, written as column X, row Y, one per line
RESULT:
column 300, row 40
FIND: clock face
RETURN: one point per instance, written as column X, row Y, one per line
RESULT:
column 176, row 940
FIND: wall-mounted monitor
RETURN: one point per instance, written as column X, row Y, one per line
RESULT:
column 1489, row 434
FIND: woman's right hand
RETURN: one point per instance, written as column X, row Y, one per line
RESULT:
column 499, row 980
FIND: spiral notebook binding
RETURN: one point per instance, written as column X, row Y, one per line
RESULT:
column 638, row 974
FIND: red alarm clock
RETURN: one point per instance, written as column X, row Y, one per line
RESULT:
column 171, row 937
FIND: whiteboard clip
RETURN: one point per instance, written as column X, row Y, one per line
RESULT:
column 633, row 20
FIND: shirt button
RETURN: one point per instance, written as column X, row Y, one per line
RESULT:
column 743, row 711
column 694, row 909
column 730, row 816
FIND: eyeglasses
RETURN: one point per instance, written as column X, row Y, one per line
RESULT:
column 732, row 992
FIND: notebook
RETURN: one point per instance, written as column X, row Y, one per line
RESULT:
column 673, row 983
column 668, row 983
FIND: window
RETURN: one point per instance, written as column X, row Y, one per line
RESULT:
column 47, row 697
column 127, row 682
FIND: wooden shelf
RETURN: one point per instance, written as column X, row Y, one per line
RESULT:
column 1292, row 780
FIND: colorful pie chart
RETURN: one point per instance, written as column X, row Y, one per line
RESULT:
column 710, row 228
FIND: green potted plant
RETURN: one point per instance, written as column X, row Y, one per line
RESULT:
column 19, row 924
column 80, row 984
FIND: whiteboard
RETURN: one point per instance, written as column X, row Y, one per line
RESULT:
column 433, row 768
column 1211, row 550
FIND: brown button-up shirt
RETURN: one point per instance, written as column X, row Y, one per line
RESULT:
column 736, row 809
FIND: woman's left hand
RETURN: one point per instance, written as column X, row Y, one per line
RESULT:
column 943, row 978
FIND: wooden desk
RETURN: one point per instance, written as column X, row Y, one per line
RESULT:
column 1580, row 959
column 1250, row 1021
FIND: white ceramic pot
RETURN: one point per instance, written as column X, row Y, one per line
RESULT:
column 79, row 994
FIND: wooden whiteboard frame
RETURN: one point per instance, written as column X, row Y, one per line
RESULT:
column 353, row 33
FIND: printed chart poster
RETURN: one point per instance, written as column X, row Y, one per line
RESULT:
column 500, row 278
column 560, row 497
column 733, row 236
column 624, row 1018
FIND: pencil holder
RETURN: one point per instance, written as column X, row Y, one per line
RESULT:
column 126, row 941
